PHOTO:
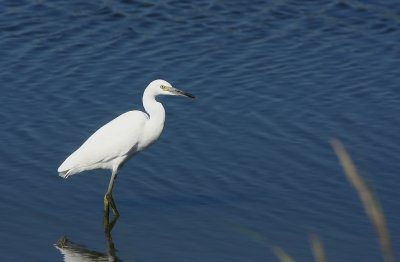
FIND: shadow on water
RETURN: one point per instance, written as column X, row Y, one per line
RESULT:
column 79, row 253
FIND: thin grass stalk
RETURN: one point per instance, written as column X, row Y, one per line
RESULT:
column 317, row 249
column 370, row 203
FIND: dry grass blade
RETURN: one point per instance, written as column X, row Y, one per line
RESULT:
column 371, row 205
column 317, row 248
column 282, row 255
column 251, row 234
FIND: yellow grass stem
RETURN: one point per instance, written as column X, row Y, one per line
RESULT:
column 282, row 255
column 317, row 249
column 370, row 203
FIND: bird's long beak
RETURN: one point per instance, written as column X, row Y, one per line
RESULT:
column 180, row 92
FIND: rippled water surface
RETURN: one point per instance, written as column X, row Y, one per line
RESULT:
column 245, row 167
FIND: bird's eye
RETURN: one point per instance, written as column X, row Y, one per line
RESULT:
column 163, row 87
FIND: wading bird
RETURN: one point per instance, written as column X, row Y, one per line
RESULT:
column 120, row 139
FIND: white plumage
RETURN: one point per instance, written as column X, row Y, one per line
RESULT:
column 109, row 146
column 117, row 141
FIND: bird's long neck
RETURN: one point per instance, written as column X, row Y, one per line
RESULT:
column 155, row 109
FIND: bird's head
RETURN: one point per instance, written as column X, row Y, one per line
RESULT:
column 162, row 87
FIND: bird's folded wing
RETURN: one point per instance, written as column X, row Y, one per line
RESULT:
column 115, row 139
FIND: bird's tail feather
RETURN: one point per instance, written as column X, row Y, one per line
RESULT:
column 64, row 174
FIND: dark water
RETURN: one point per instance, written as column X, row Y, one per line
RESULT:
column 245, row 167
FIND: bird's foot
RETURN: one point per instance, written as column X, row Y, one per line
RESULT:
column 109, row 202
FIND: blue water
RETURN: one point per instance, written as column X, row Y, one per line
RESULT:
column 245, row 167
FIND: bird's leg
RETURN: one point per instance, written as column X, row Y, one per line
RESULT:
column 108, row 199
column 113, row 207
column 110, row 243
column 108, row 227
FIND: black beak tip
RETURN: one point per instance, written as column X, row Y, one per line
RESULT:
column 187, row 94
column 183, row 93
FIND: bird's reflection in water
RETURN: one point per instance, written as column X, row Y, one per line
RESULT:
column 74, row 252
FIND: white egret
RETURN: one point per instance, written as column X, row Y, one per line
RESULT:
column 120, row 139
